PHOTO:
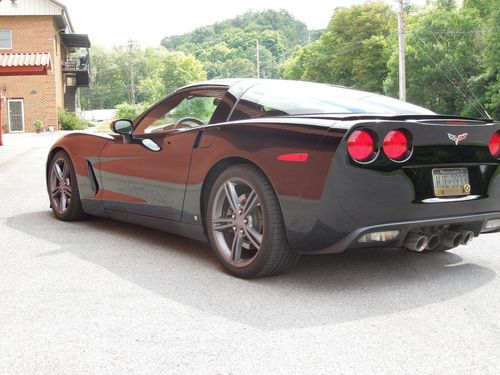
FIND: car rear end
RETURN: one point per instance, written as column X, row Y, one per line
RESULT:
column 422, row 184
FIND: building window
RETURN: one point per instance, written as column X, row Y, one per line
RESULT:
column 5, row 39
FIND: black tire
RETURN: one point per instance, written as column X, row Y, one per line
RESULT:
column 73, row 209
column 274, row 255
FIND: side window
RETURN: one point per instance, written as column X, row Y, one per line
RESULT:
column 223, row 110
column 5, row 39
column 247, row 109
column 183, row 111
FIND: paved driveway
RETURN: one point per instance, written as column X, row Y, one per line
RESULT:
column 105, row 297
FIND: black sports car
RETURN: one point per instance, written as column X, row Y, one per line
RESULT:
column 268, row 170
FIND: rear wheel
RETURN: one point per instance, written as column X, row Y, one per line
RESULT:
column 63, row 189
column 245, row 225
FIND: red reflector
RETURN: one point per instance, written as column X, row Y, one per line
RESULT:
column 495, row 144
column 361, row 145
column 294, row 157
column 397, row 144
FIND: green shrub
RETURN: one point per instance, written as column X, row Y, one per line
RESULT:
column 129, row 111
column 38, row 124
column 70, row 121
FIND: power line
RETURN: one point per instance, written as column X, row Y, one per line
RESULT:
column 447, row 77
column 461, row 77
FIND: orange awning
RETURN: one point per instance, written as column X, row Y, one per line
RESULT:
column 17, row 64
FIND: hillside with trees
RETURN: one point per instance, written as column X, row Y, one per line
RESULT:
column 131, row 74
column 452, row 62
column 229, row 48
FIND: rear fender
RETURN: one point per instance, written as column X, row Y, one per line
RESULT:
column 261, row 144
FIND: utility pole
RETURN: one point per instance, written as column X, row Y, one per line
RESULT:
column 131, row 52
column 258, row 60
column 401, row 42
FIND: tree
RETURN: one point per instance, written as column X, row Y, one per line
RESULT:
column 157, row 73
column 274, row 42
column 292, row 31
column 491, row 64
column 352, row 51
column 443, row 53
column 149, row 65
column 238, row 67
column 484, row 7
column 109, row 83
column 180, row 69
column 228, row 48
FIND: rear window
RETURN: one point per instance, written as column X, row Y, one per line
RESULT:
column 282, row 98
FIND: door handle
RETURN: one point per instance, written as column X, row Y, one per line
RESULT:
column 151, row 145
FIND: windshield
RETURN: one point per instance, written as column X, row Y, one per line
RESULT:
column 281, row 98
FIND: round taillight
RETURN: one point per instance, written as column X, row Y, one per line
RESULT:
column 495, row 145
column 362, row 145
column 397, row 144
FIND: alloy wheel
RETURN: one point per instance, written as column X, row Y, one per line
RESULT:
column 237, row 221
column 60, row 186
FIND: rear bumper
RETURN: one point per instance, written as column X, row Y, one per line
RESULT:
column 475, row 223
column 330, row 216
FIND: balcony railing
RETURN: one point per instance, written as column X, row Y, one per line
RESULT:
column 76, row 71
column 75, row 64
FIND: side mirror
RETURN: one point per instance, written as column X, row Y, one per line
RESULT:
column 122, row 126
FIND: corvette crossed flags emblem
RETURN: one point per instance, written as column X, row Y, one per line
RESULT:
column 457, row 138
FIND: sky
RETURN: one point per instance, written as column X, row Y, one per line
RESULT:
column 114, row 22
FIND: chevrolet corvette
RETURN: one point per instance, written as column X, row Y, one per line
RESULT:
column 267, row 170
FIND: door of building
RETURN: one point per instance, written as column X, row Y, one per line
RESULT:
column 16, row 115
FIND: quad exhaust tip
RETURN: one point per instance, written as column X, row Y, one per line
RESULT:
column 433, row 242
column 416, row 242
column 452, row 239
column 420, row 242
column 467, row 237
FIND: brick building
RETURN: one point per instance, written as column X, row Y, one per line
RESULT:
column 42, row 63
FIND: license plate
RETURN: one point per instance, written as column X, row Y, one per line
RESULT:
column 451, row 181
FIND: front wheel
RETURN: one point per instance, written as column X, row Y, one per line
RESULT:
column 63, row 189
column 245, row 225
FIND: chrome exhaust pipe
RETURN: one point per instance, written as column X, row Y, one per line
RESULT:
column 433, row 242
column 452, row 239
column 468, row 236
column 416, row 242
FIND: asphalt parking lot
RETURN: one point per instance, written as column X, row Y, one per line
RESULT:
column 102, row 297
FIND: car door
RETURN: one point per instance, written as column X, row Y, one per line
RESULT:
column 146, row 174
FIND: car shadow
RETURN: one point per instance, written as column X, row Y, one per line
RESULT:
column 321, row 290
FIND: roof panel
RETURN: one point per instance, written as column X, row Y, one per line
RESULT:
column 31, row 8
